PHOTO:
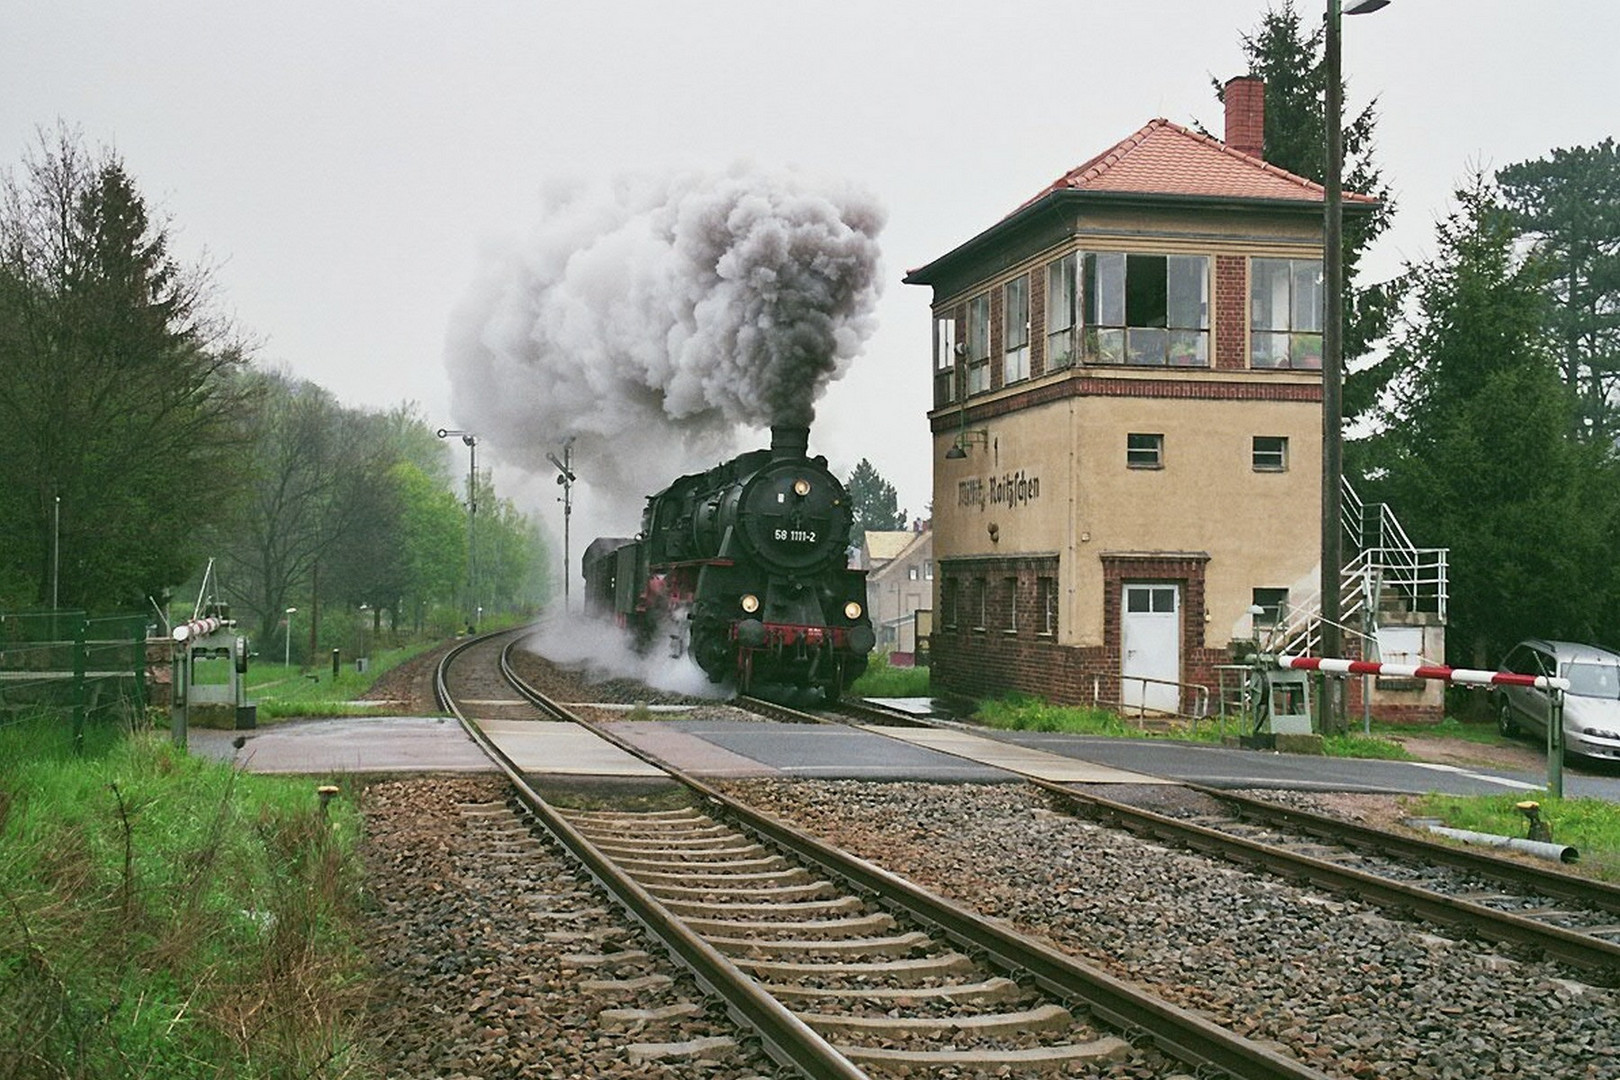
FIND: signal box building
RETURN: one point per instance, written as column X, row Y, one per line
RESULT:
column 1127, row 420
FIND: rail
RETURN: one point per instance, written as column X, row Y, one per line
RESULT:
column 1176, row 1030
column 788, row 1036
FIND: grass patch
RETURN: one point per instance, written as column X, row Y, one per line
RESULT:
column 1484, row 734
column 883, row 680
column 286, row 692
column 1354, row 745
column 162, row 915
column 1033, row 714
column 1592, row 826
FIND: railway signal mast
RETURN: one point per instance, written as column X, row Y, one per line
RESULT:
column 472, row 515
column 565, row 477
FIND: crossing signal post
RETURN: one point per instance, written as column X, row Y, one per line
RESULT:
column 565, row 477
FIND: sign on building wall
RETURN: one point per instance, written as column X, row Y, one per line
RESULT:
column 1009, row 490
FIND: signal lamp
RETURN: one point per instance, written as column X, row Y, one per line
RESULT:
column 750, row 603
column 852, row 610
column 801, row 487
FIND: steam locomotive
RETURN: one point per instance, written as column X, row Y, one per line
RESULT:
column 745, row 567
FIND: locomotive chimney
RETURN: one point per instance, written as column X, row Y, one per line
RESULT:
column 789, row 442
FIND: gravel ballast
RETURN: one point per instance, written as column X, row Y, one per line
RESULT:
column 1334, row 982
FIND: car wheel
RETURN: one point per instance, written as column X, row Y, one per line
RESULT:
column 1505, row 722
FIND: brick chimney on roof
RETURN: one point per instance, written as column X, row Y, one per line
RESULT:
column 1246, row 114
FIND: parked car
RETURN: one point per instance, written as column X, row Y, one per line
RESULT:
column 1591, row 705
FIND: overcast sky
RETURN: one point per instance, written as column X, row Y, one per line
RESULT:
column 343, row 163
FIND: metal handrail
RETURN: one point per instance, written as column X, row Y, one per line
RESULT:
column 1385, row 559
column 1199, row 690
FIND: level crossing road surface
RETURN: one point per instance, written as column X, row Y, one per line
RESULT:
column 721, row 749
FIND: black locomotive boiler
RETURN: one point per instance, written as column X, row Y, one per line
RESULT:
column 745, row 567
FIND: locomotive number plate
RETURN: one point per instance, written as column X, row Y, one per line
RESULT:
column 800, row 536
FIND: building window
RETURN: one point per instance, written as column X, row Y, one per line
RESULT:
column 1046, row 605
column 948, row 601
column 1270, row 453
column 911, row 572
column 944, row 360
column 1285, row 313
column 978, row 344
column 1144, row 451
column 1158, row 599
column 1062, row 311
column 928, row 569
column 1273, row 605
column 1015, row 330
column 1012, row 605
column 1146, row 309
column 982, row 603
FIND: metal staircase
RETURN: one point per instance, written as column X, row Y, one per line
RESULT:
column 1387, row 578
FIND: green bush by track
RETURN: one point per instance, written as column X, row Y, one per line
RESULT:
column 161, row 915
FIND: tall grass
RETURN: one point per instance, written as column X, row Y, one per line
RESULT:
column 164, row 916
column 883, row 680
column 1592, row 826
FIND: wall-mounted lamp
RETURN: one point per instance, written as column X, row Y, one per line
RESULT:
column 964, row 439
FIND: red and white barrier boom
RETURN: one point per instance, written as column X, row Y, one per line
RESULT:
column 1556, row 685
column 197, row 628
column 1461, row 676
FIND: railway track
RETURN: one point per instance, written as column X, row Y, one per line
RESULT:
column 843, row 969
column 1548, row 912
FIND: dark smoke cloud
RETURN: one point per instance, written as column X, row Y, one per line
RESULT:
column 652, row 318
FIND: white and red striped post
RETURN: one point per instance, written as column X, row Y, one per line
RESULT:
column 1462, row 677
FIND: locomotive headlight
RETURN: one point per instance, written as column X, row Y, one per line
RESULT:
column 852, row 610
column 750, row 603
column 801, row 487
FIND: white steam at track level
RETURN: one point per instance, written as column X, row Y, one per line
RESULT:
column 653, row 318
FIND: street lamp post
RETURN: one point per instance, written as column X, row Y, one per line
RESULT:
column 286, row 658
column 472, row 513
column 1333, row 358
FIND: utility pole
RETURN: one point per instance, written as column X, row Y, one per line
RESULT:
column 56, row 551
column 472, row 518
column 565, row 477
column 1333, row 696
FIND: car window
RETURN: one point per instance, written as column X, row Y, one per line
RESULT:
column 1514, row 661
column 1596, row 680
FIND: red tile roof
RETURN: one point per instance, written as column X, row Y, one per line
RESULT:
column 1167, row 159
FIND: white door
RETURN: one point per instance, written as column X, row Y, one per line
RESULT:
column 1151, row 631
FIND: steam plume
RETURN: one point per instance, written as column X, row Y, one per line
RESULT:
column 652, row 318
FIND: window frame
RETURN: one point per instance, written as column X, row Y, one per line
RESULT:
column 978, row 344
column 1304, row 343
column 1062, row 311
column 1271, row 459
column 1015, row 330
column 945, row 359
column 1274, row 604
column 1136, row 447
column 1046, row 603
column 1133, row 313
